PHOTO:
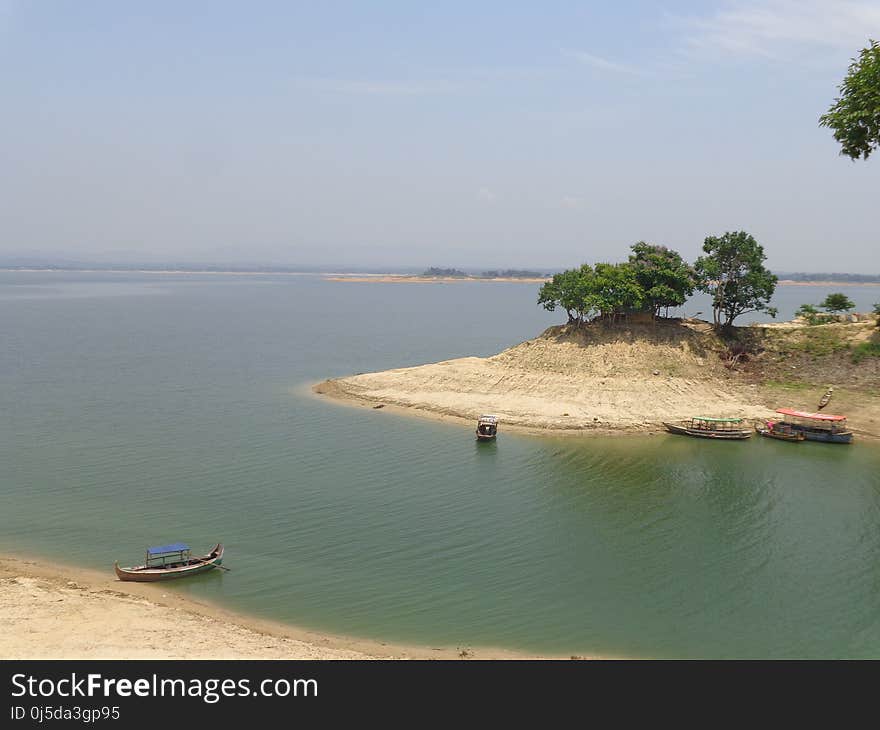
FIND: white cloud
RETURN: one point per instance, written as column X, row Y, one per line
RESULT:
column 781, row 28
column 378, row 88
column 602, row 64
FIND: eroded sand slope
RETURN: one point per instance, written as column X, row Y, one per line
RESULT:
column 610, row 379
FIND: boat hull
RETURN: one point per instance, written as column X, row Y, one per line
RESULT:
column 779, row 435
column 486, row 437
column 738, row 435
column 829, row 438
column 142, row 574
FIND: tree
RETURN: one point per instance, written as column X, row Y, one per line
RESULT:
column 733, row 273
column 608, row 290
column 855, row 114
column 614, row 289
column 665, row 278
column 806, row 311
column 837, row 303
column 570, row 290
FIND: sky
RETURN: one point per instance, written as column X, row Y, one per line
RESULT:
column 396, row 134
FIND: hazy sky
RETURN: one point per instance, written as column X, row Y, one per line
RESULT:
column 448, row 134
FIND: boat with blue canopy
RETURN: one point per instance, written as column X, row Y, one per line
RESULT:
column 175, row 560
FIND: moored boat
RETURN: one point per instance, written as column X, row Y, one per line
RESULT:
column 774, row 430
column 817, row 426
column 725, row 429
column 487, row 428
column 171, row 561
column 826, row 399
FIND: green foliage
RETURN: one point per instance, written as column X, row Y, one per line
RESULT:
column 855, row 114
column 665, row 278
column 866, row 349
column 877, row 309
column 606, row 290
column 837, row 302
column 615, row 289
column 813, row 315
column 733, row 273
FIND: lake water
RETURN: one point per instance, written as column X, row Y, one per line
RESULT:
column 143, row 409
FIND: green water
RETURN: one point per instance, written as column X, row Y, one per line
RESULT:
column 146, row 409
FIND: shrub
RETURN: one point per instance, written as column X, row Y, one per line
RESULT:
column 866, row 349
column 837, row 302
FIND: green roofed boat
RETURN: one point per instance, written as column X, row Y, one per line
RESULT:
column 171, row 561
column 726, row 429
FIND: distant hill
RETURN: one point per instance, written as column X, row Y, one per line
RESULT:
column 512, row 274
column 434, row 271
column 854, row 278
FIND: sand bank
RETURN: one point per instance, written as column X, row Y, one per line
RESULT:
column 608, row 381
column 52, row 611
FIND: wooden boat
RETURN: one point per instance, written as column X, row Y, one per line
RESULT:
column 817, row 426
column 726, row 429
column 171, row 561
column 487, row 428
column 774, row 430
column 826, row 399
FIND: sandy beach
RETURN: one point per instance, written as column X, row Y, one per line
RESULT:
column 610, row 384
column 52, row 611
column 612, row 381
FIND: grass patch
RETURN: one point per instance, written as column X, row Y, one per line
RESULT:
column 819, row 342
column 789, row 385
column 866, row 349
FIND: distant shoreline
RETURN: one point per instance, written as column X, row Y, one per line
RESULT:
column 414, row 279
column 379, row 278
column 794, row 282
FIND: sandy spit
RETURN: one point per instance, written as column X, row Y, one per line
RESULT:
column 615, row 384
column 53, row 611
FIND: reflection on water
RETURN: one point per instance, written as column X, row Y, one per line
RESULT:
column 144, row 420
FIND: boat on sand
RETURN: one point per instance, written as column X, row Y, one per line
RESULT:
column 171, row 561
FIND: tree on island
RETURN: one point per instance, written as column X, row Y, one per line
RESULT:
column 569, row 290
column 512, row 274
column 837, row 302
column 664, row 276
column 733, row 273
column 434, row 271
column 604, row 290
column 855, row 114
column 615, row 290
